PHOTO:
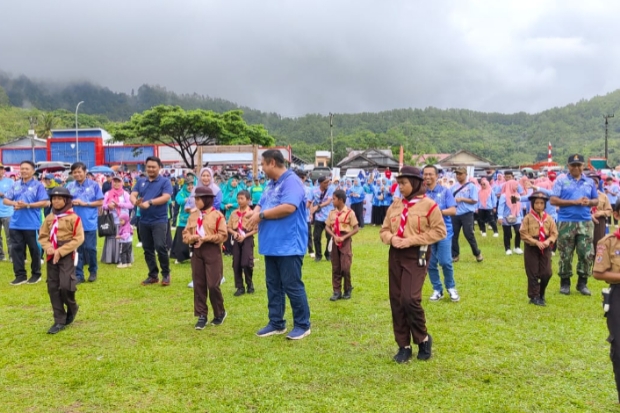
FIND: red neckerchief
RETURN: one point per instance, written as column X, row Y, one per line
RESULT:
column 240, row 223
column 617, row 233
column 541, row 222
column 337, row 227
column 54, row 231
column 200, row 230
column 403, row 215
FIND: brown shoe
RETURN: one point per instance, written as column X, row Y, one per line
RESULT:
column 165, row 281
column 479, row 258
column 455, row 259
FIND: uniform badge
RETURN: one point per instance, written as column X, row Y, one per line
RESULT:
column 599, row 259
column 617, row 252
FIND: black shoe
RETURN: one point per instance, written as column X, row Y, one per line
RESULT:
column 337, row 296
column 92, row 278
column 201, row 323
column 347, row 294
column 583, row 289
column 79, row 281
column 317, row 259
column 55, row 328
column 165, row 281
column 565, row 289
column 219, row 320
column 71, row 316
column 251, row 289
column 240, row 291
column 537, row 301
column 404, row 355
column 425, row 349
column 150, row 281
column 19, row 281
column 34, row 279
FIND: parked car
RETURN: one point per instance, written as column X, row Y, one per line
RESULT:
column 320, row 171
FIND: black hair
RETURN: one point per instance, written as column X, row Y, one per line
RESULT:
column 431, row 167
column 509, row 173
column 78, row 165
column 340, row 194
column 275, row 155
column 153, row 159
column 617, row 206
column 245, row 193
column 29, row 163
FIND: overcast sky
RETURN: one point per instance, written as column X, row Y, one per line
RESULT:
column 296, row 57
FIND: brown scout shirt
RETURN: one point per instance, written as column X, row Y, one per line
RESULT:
column 233, row 221
column 347, row 219
column 530, row 227
column 209, row 221
column 68, row 243
column 603, row 205
column 607, row 254
column 425, row 225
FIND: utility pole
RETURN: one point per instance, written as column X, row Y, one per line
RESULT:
column 331, row 135
column 606, row 117
column 77, row 143
column 32, row 133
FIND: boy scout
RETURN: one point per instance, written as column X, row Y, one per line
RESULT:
column 409, row 228
column 243, row 244
column 538, row 232
column 341, row 225
column 60, row 236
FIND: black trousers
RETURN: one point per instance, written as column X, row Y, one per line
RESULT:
column 20, row 238
column 613, row 325
column 508, row 235
column 154, row 240
column 125, row 252
column 61, row 287
column 319, row 227
column 310, row 241
column 487, row 217
column 358, row 210
column 466, row 222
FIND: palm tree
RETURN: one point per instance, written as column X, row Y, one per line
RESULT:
column 48, row 122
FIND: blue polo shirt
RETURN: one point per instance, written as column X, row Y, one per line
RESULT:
column 469, row 191
column 568, row 188
column 88, row 191
column 31, row 192
column 5, row 185
column 444, row 200
column 322, row 215
column 286, row 236
column 147, row 190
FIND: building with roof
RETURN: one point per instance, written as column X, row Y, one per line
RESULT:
column 369, row 159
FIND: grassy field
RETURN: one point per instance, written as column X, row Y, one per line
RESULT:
column 134, row 348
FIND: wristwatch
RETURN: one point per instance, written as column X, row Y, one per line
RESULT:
column 27, row 206
column 151, row 202
column 261, row 215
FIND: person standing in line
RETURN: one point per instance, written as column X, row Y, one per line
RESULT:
column 575, row 195
column 612, row 191
column 409, row 229
column 6, row 212
column 308, row 189
column 357, row 197
column 125, row 237
column 87, row 198
column 600, row 213
column 257, row 192
column 242, row 244
column 151, row 195
column 117, row 202
column 510, row 216
column 321, row 207
column 60, row 236
column 441, row 251
column 107, row 184
column 341, row 225
column 487, row 204
column 466, row 196
column 282, row 234
column 27, row 196
column 180, row 250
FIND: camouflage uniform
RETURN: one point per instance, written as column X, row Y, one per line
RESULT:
column 575, row 235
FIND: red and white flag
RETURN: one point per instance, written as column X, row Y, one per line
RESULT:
column 549, row 158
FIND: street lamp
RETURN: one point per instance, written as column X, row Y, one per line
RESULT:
column 77, row 153
column 331, row 135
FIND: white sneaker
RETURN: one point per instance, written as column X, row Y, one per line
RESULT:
column 484, row 234
column 312, row 255
column 223, row 280
column 436, row 296
column 518, row 251
column 139, row 245
column 508, row 252
column 121, row 266
column 176, row 261
column 495, row 235
column 552, row 253
column 190, row 285
column 454, row 295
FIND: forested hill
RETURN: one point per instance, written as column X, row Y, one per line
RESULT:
column 514, row 138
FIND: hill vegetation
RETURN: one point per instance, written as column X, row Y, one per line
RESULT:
column 503, row 138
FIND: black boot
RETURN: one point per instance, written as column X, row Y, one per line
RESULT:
column 240, row 291
column 582, row 286
column 251, row 289
column 337, row 296
column 565, row 286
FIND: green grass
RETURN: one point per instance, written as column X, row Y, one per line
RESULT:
column 134, row 348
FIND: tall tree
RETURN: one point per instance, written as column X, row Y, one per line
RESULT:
column 47, row 122
column 184, row 130
column 4, row 98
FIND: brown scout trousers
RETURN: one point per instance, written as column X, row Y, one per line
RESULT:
column 207, row 271
column 61, row 287
column 537, row 269
column 406, row 282
column 243, row 261
column 613, row 325
column 341, row 258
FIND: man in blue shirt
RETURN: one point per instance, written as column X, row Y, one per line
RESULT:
column 466, row 196
column 282, row 239
column 612, row 192
column 575, row 195
column 321, row 207
column 151, row 196
column 6, row 212
column 441, row 251
column 27, row 197
column 87, row 198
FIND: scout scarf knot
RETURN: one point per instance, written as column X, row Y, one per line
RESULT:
column 617, row 233
column 200, row 230
column 541, row 229
column 54, row 231
column 240, row 230
column 337, row 226
column 403, row 215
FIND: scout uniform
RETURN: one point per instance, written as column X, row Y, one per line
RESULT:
column 608, row 259
column 420, row 222
column 601, row 212
column 207, row 265
column 243, row 253
column 341, row 223
column 536, row 228
column 64, row 233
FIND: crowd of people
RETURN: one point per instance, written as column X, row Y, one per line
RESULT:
column 421, row 214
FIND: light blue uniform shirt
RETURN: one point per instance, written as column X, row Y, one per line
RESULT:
column 286, row 236
column 5, row 185
column 612, row 193
column 89, row 191
column 322, row 215
column 33, row 191
column 444, row 199
column 503, row 211
column 469, row 191
column 568, row 188
column 491, row 201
